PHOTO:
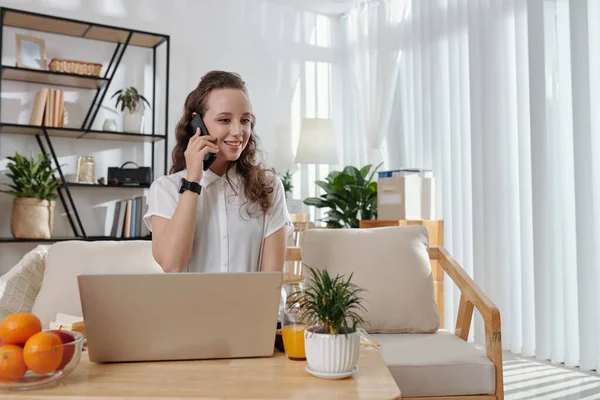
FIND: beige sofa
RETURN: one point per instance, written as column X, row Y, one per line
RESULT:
column 23, row 289
column 392, row 265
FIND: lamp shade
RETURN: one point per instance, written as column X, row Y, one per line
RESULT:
column 317, row 144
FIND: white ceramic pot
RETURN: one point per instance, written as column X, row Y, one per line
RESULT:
column 32, row 218
column 109, row 125
column 132, row 121
column 331, row 354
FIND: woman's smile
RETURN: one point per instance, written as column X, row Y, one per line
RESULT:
column 233, row 144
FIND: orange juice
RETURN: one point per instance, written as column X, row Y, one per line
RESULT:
column 293, row 341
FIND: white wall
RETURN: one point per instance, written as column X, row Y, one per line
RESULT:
column 264, row 42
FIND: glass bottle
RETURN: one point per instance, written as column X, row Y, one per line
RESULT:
column 86, row 170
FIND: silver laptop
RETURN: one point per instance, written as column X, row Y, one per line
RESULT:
column 181, row 316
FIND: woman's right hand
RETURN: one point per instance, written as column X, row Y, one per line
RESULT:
column 197, row 148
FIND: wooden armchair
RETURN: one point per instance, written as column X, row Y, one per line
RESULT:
column 471, row 297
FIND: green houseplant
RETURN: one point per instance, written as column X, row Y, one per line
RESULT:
column 286, row 179
column 331, row 308
column 132, row 106
column 34, row 187
column 350, row 195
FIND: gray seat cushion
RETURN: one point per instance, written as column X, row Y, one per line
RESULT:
column 439, row 364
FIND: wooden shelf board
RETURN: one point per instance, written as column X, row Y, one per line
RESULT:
column 107, row 34
column 146, row 39
column 122, row 136
column 44, row 24
column 120, row 36
column 121, row 239
column 52, row 240
column 63, row 239
column 98, row 186
column 17, row 129
column 64, row 26
column 51, row 78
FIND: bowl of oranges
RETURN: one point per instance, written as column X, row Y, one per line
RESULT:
column 32, row 358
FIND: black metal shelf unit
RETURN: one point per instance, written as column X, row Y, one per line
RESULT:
column 122, row 38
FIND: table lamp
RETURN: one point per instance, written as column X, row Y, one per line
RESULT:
column 317, row 143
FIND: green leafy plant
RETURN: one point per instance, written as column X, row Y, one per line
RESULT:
column 286, row 179
column 329, row 305
column 31, row 178
column 130, row 98
column 350, row 195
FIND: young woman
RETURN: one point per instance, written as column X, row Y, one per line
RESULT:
column 231, row 217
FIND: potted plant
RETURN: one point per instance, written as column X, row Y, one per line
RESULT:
column 133, row 101
column 350, row 195
column 286, row 180
column 34, row 188
column 330, row 307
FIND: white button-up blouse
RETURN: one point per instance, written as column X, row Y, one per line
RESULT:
column 229, row 232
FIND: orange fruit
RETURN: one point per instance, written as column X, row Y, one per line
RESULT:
column 43, row 352
column 12, row 365
column 18, row 327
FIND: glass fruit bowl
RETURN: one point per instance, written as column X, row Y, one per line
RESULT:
column 40, row 362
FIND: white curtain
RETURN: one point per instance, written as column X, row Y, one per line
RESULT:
column 372, row 58
column 273, row 28
column 500, row 99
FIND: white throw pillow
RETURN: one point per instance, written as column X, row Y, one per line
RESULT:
column 60, row 293
column 392, row 266
column 21, row 284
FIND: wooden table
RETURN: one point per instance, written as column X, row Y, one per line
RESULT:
column 253, row 378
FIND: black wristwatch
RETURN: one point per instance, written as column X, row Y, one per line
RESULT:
column 192, row 186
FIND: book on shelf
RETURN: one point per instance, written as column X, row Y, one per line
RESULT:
column 48, row 108
column 127, row 218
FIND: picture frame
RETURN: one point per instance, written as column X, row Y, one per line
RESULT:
column 31, row 52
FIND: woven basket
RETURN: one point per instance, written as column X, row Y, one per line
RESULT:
column 75, row 67
column 32, row 218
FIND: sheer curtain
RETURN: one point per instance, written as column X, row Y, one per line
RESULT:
column 499, row 99
column 372, row 73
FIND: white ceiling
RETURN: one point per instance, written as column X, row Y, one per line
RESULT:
column 335, row 7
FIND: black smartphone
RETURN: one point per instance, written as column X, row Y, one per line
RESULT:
column 196, row 123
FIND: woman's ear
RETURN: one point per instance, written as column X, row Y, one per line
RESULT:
column 193, row 114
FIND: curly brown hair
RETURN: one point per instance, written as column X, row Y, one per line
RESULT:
column 257, row 186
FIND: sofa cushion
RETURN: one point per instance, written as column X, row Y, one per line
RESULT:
column 439, row 364
column 392, row 266
column 21, row 284
column 60, row 293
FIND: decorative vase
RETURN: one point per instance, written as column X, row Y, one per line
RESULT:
column 110, row 125
column 32, row 218
column 132, row 121
column 331, row 354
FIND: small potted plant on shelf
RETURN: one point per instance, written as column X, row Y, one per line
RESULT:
column 330, row 307
column 130, row 99
column 34, row 188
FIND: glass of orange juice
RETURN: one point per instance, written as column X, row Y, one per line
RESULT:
column 292, row 331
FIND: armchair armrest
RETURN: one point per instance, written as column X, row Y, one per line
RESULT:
column 472, row 296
